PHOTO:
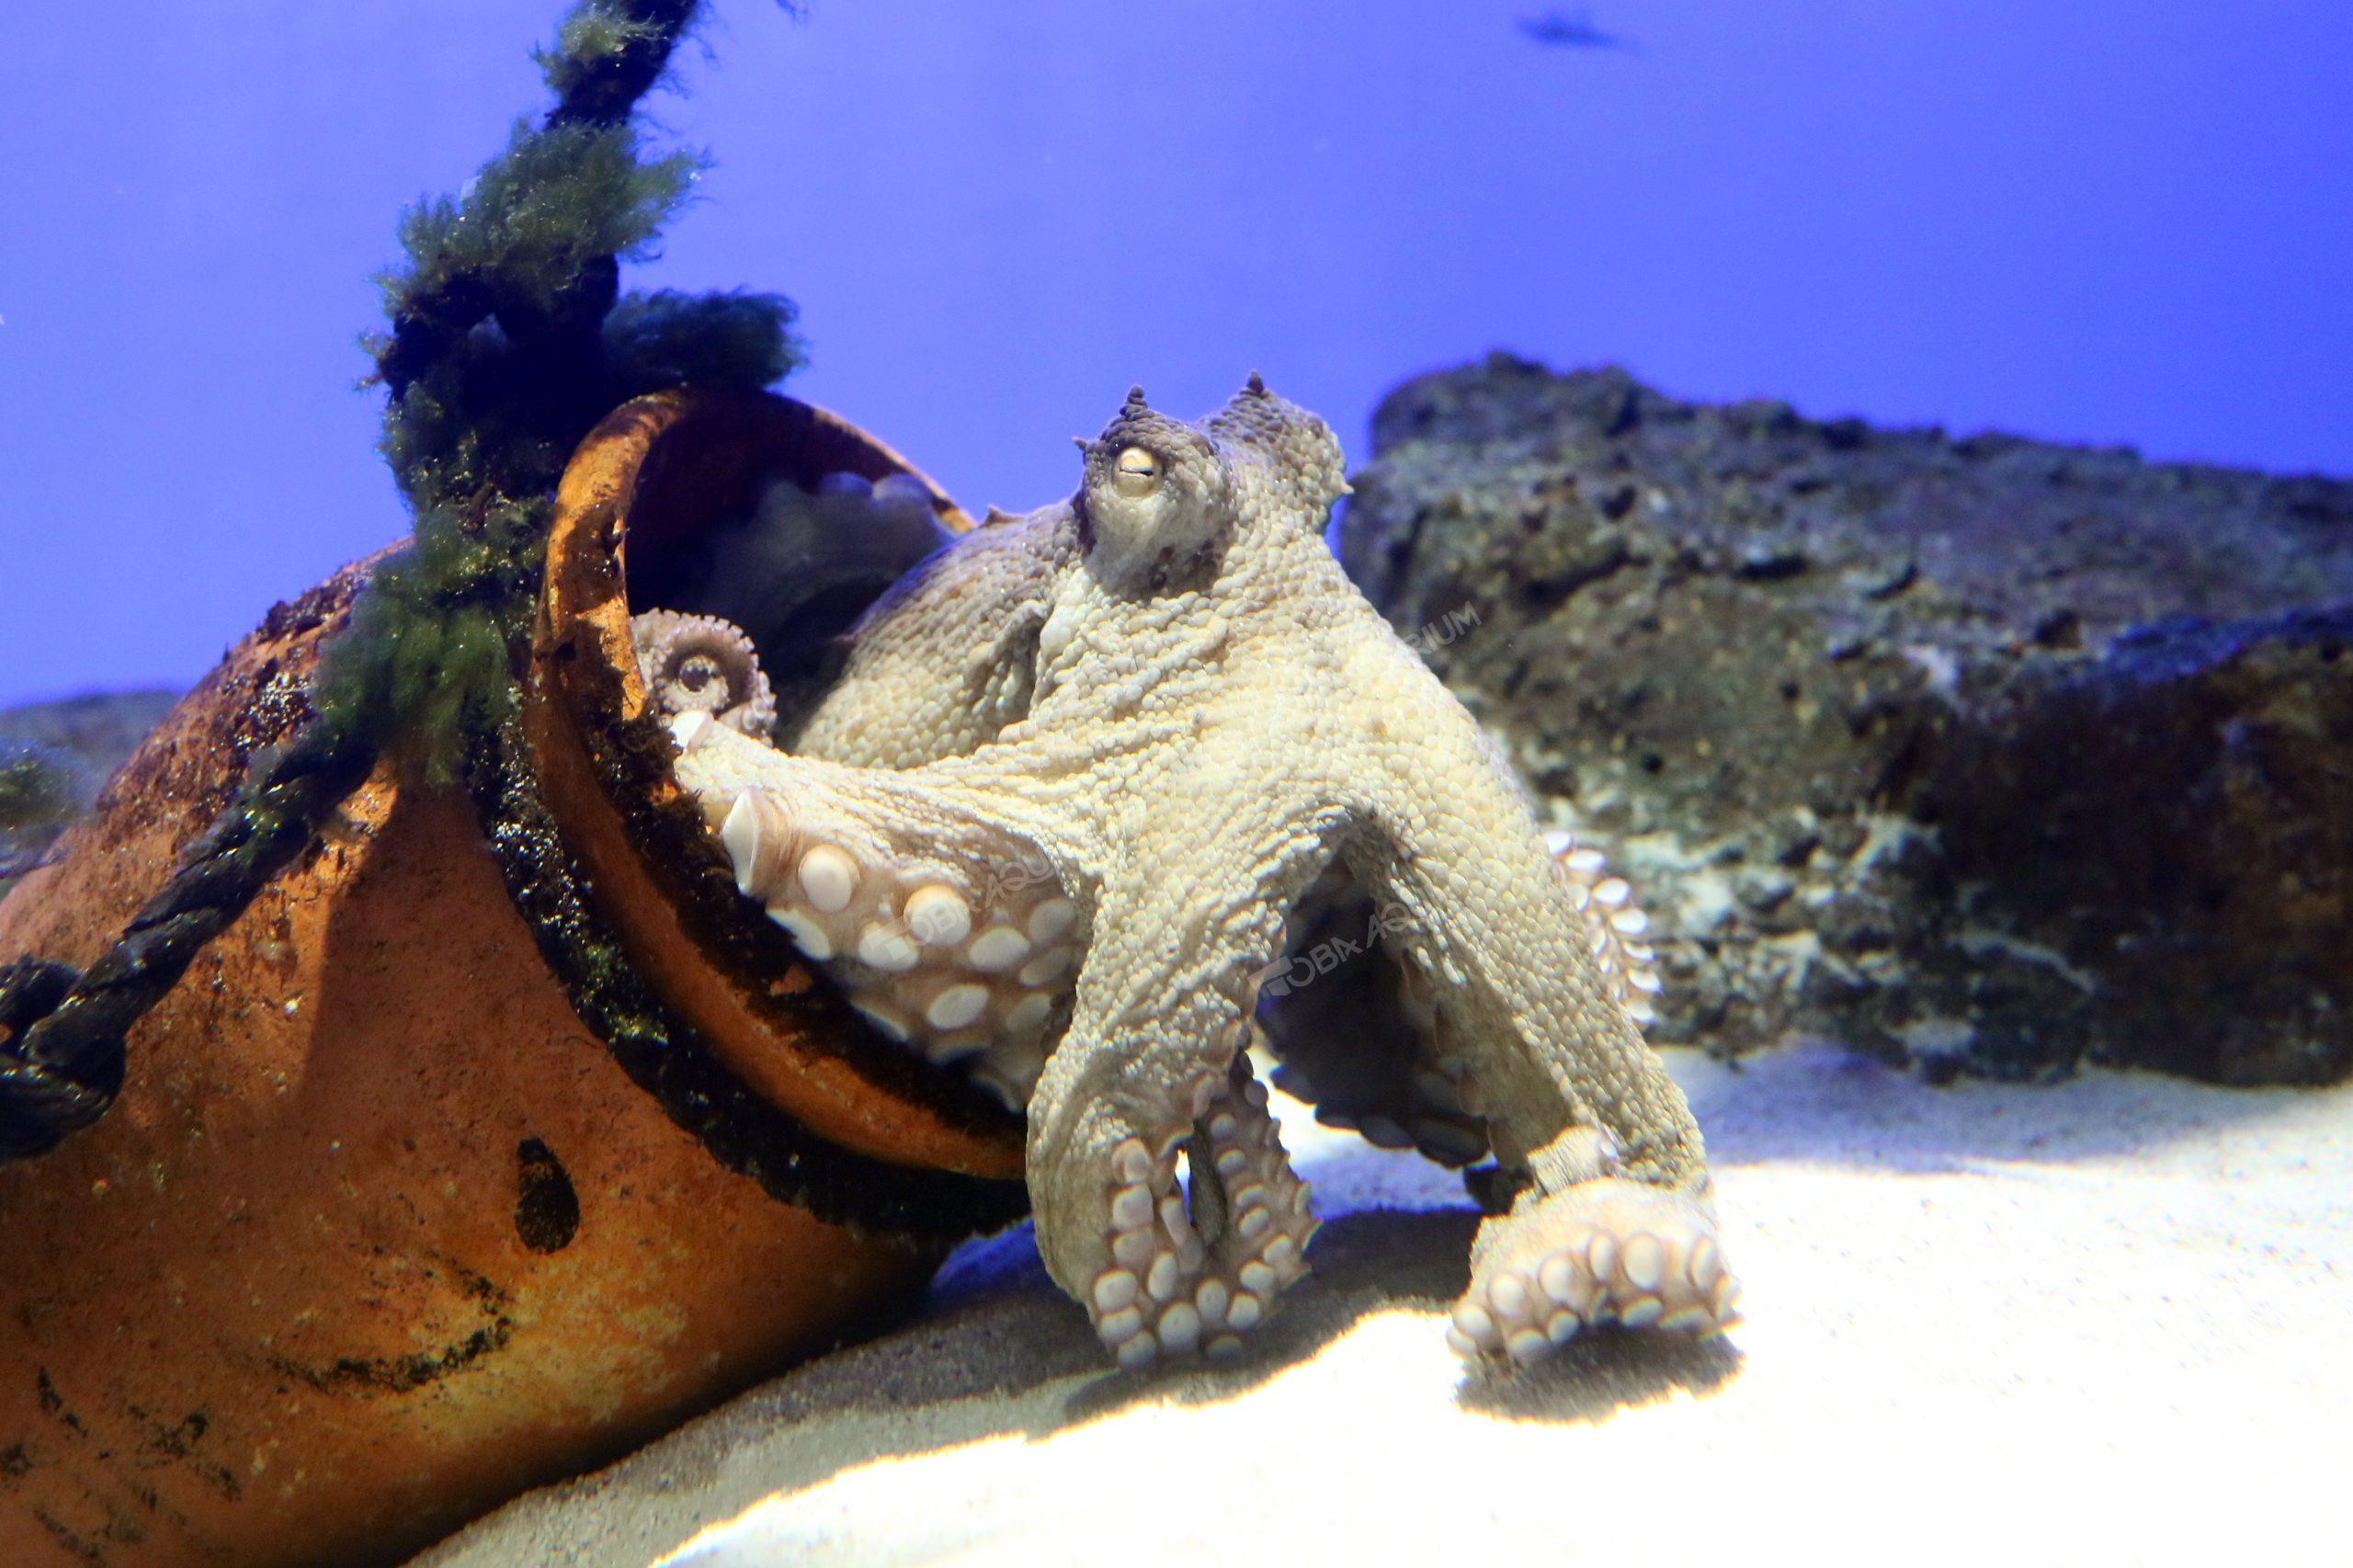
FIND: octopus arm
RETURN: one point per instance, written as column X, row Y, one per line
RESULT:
column 1614, row 1218
column 1164, row 1200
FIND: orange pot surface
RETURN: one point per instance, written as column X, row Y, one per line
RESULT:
column 378, row 1233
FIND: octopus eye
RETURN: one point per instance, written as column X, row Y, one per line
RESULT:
column 1136, row 473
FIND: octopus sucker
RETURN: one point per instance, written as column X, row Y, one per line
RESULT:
column 1105, row 793
column 703, row 665
column 1207, row 1245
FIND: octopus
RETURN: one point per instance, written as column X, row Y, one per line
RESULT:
column 1090, row 783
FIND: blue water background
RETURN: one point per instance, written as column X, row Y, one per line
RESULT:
column 2099, row 220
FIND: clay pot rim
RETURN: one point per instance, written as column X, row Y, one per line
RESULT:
column 603, row 764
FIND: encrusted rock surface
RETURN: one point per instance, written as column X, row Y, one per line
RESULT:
column 1985, row 753
column 54, row 757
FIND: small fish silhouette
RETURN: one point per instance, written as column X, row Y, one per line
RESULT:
column 1569, row 30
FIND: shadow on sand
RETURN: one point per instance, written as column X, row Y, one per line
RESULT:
column 1823, row 1105
column 1001, row 1352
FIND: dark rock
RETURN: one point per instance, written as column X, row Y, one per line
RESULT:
column 1984, row 753
column 54, row 757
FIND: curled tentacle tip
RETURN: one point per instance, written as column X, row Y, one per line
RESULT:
column 699, row 663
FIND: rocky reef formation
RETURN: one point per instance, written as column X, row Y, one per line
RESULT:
column 1990, row 755
column 54, row 758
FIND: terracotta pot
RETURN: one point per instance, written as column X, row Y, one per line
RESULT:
column 462, row 1160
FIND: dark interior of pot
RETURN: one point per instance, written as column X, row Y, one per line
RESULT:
column 790, row 538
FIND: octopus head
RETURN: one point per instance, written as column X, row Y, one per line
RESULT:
column 1156, row 500
column 1289, row 453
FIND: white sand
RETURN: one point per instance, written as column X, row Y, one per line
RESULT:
column 2105, row 1322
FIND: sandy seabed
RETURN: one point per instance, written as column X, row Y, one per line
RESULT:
column 2109, row 1322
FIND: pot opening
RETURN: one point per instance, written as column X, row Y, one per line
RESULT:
column 794, row 566
column 791, row 547
column 787, row 523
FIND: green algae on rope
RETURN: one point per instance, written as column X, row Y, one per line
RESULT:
column 509, row 338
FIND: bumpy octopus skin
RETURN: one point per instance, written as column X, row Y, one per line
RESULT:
column 1123, row 736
